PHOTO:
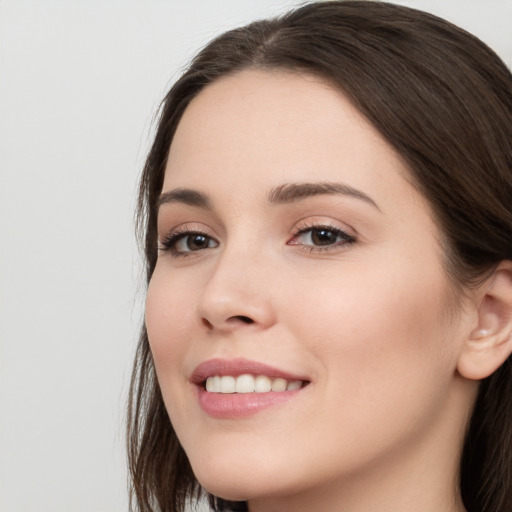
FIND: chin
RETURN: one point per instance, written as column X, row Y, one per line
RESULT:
column 239, row 482
column 230, row 487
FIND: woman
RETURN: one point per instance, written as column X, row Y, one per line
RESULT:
column 327, row 218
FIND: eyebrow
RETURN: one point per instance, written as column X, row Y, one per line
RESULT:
column 291, row 192
column 184, row 196
column 282, row 194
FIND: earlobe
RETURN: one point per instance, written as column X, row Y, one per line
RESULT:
column 489, row 344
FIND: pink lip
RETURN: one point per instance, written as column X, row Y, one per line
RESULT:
column 236, row 367
column 233, row 405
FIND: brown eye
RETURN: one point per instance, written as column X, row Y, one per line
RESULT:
column 323, row 236
column 180, row 244
column 196, row 242
column 189, row 242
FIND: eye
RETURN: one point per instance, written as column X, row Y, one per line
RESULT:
column 321, row 237
column 180, row 243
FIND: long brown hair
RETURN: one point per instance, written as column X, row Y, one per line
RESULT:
column 443, row 100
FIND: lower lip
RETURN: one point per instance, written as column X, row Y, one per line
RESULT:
column 240, row 405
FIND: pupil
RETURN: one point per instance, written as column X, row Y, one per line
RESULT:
column 197, row 242
column 323, row 237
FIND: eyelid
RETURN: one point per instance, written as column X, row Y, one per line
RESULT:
column 167, row 242
column 347, row 238
column 319, row 221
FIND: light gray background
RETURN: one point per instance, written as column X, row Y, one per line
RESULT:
column 79, row 83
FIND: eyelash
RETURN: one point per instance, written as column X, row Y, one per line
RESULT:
column 346, row 239
column 170, row 242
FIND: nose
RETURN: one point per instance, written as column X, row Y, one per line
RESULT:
column 238, row 294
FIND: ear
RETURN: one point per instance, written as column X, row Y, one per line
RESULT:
column 490, row 342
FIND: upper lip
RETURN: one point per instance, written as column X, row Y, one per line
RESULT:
column 235, row 367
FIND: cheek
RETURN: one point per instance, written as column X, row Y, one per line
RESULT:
column 381, row 331
column 386, row 355
column 168, row 317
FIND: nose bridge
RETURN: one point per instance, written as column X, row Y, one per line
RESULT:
column 237, row 291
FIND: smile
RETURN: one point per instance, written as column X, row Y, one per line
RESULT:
column 238, row 388
column 248, row 383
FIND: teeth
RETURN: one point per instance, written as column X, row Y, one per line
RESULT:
column 213, row 384
column 244, row 384
column 249, row 384
column 294, row 384
column 227, row 384
column 279, row 385
column 262, row 384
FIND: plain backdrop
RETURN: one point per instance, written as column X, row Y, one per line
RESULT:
column 79, row 84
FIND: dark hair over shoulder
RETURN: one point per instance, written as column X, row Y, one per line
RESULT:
column 443, row 100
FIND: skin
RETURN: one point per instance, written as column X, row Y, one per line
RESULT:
column 374, row 324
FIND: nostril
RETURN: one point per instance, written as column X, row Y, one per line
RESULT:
column 244, row 319
column 231, row 320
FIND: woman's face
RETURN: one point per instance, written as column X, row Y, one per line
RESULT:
column 292, row 246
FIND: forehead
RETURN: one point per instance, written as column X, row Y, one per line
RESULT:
column 268, row 128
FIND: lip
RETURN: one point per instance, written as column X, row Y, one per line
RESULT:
column 239, row 405
column 236, row 367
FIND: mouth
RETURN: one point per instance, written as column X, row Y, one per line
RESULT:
column 239, row 387
column 247, row 383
